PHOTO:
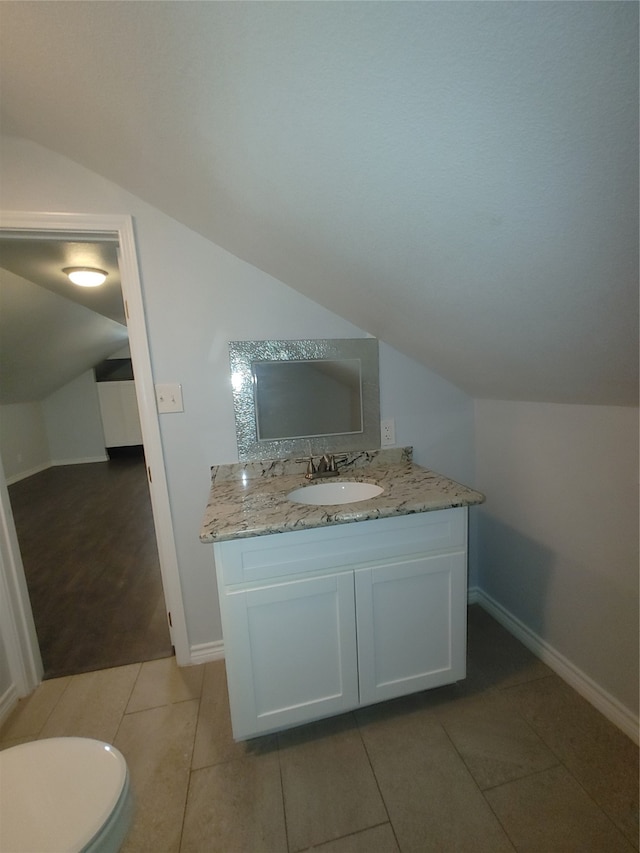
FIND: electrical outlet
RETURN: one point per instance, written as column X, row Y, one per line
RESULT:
column 387, row 432
column 169, row 397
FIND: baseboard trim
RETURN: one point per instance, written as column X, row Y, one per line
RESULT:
column 473, row 595
column 600, row 698
column 205, row 652
column 596, row 695
column 85, row 461
column 54, row 463
column 24, row 474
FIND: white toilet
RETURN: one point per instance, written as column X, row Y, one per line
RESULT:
column 63, row 795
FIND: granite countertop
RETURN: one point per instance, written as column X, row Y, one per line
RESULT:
column 250, row 498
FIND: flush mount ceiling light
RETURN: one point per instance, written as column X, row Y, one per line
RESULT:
column 86, row 276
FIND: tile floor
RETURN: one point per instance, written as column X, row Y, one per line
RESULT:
column 510, row 759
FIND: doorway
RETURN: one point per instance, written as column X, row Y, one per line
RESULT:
column 91, row 567
column 20, row 640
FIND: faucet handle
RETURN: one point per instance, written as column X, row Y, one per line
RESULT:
column 311, row 468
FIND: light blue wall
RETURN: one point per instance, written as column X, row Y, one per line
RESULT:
column 24, row 445
column 558, row 534
column 74, row 424
column 63, row 429
column 198, row 297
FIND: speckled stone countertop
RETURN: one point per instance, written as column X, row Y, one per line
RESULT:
column 250, row 498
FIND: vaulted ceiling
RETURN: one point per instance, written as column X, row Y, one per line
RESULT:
column 459, row 179
column 52, row 331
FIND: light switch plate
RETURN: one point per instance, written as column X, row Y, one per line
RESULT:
column 169, row 397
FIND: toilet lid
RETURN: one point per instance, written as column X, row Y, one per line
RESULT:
column 56, row 794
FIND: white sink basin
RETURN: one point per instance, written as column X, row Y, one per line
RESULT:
column 320, row 494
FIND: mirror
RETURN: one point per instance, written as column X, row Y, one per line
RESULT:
column 305, row 397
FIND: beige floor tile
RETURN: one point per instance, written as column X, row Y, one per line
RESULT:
column 434, row 701
column 93, row 704
column 7, row 744
column 508, row 718
column 162, row 682
column 495, row 742
column 433, row 803
column 236, row 807
column 157, row 745
column 214, row 741
column 329, row 788
column 498, row 654
column 600, row 756
column 551, row 812
column 28, row 718
column 379, row 839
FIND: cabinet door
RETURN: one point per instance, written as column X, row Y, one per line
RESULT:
column 411, row 619
column 290, row 650
column 119, row 410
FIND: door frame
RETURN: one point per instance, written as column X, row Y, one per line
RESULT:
column 20, row 639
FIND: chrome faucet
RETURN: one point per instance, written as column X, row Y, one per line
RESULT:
column 326, row 467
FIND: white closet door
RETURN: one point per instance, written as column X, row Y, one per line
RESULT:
column 119, row 410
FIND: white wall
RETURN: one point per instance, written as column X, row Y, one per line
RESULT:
column 73, row 422
column 558, row 535
column 436, row 418
column 23, row 440
column 63, row 429
column 124, row 352
column 197, row 298
column 430, row 413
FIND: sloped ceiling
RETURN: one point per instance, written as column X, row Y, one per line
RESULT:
column 50, row 330
column 42, row 261
column 458, row 179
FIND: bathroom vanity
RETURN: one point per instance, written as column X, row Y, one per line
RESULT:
column 326, row 608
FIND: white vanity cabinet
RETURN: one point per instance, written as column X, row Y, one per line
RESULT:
column 411, row 625
column 291, row 652
column 321, row 621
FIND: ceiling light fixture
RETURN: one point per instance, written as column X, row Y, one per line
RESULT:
column 86, row 276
